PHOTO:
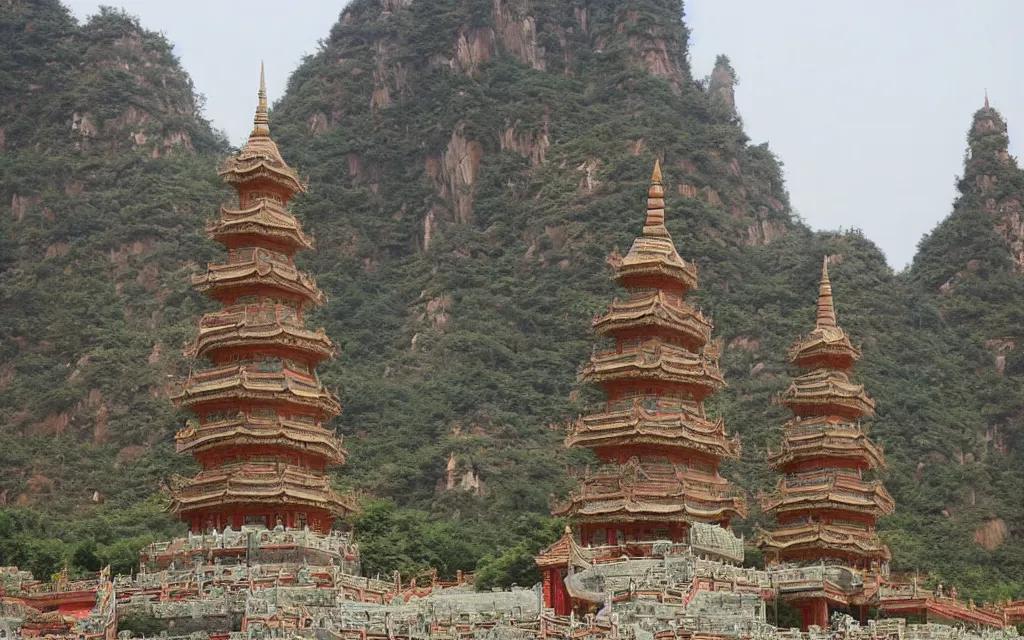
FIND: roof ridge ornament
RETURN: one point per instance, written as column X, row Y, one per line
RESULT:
column 654, row 225
column 826, row 307
column 261, row 121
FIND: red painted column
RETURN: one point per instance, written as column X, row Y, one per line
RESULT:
column 549, row 576
column 814, row 612
column 562, row 602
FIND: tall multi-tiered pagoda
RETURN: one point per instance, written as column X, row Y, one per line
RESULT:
column 658, row 449
column 825, row 508
column 260, row 405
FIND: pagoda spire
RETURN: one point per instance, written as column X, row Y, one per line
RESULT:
column 826, row 308
column 261, row 122
column 986, row 99
column 654, row 225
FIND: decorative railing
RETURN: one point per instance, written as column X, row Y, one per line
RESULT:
column 808, row 428
column 838, row 578
column 714, row 539
column 338, row 544
column 901, row 591
column 250, row 315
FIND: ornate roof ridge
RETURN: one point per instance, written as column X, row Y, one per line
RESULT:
column 670, row 361
column 823, row 534
column 636, row 424
column 288, row 276
column 298, row 433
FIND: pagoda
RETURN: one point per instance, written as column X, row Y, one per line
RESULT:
column 825, row 507
column 658, row 450
column 260, row 407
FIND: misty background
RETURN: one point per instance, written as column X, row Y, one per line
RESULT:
column 866, row 103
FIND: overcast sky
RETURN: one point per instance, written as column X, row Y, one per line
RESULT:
column 866, row 102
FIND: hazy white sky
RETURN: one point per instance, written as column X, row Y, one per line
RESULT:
column 867, row 102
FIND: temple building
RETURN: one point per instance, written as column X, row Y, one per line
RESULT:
column 659, row 452
column 259, row 433
column 825, row 508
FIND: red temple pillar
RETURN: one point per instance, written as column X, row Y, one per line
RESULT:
column 813, row 612
column 562, row 601
column 548, row 597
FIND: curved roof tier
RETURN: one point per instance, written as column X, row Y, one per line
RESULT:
column 637, row 425
column 819, row 539
column 654, row 492
column 251, row 483
column 258, row 273
column 267, row 219
column 238, row 386
column 827, row 346
column 829, row 490
column 826, row 437
column 247, row 430
column 259, row 328
column 656, row 361
column 654, row 311
column 826, row 391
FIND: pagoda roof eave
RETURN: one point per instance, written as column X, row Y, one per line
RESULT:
column 235, row 384
column 245, row 334
column 561, row 552
column 643, row 365
column 244, row 223
column 282, row 433
column 653, row 310
column 260, row 159
column 822, row 343
column 637, row 425
column 258, row 273
column 825, row 388
column 653, row 490
column 791, row 455
column 628, row 510
column 273, row 484
column 825, row 438
column 811, row 537
column 869, row 498
column 656, row 257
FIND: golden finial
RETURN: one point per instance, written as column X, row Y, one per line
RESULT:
column 655, row 223
column 261, row 123
column 826, row 309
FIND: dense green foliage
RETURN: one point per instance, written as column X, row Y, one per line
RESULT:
column 525, row 160
column 108, row 169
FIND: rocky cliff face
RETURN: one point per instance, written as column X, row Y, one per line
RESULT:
column 461, row 85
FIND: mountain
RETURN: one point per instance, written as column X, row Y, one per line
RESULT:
column 108, row 171
column 474, row 165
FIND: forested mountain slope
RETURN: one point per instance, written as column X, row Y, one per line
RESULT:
column 473, row 166
column 106, row 176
